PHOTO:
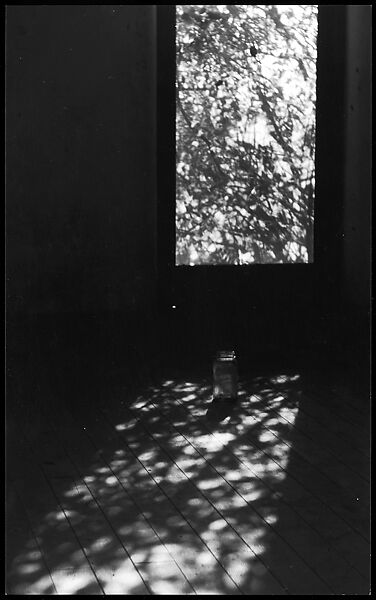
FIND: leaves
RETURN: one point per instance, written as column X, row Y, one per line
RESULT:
column 245, row 133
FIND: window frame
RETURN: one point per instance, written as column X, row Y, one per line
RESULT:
column 175, row 280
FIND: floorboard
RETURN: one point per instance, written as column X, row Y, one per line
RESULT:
column 149, row 487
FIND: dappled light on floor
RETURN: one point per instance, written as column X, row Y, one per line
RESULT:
column 183, row 488
column 170, row 492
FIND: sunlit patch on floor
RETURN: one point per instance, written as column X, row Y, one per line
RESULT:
column 178, row 492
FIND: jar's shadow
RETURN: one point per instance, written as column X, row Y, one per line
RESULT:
column 219, row 410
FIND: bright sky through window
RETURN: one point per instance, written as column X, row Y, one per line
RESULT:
column 245, row 133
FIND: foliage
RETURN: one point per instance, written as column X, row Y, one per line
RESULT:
column 245, row 129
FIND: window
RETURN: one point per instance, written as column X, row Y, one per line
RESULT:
column 181, row 284
column 245, row 134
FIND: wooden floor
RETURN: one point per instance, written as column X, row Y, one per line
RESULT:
column 156, row 489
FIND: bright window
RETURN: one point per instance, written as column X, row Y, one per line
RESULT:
column 245, row 133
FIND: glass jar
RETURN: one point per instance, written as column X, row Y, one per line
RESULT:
column 225, row 375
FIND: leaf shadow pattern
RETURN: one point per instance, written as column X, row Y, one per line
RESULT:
column 161, row 491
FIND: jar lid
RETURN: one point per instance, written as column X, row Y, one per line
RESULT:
column 226, row 355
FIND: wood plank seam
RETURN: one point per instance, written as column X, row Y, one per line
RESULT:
column 289, row 505
column 222, row 516
column 314, row 439
column 268, row 525
column 230, row 526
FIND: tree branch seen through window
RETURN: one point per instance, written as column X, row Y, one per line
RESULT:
column 245, row 133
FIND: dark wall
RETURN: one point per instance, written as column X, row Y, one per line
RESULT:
column 80, row 157
column 81, row 199
column 353, row 319
column 357, row 205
